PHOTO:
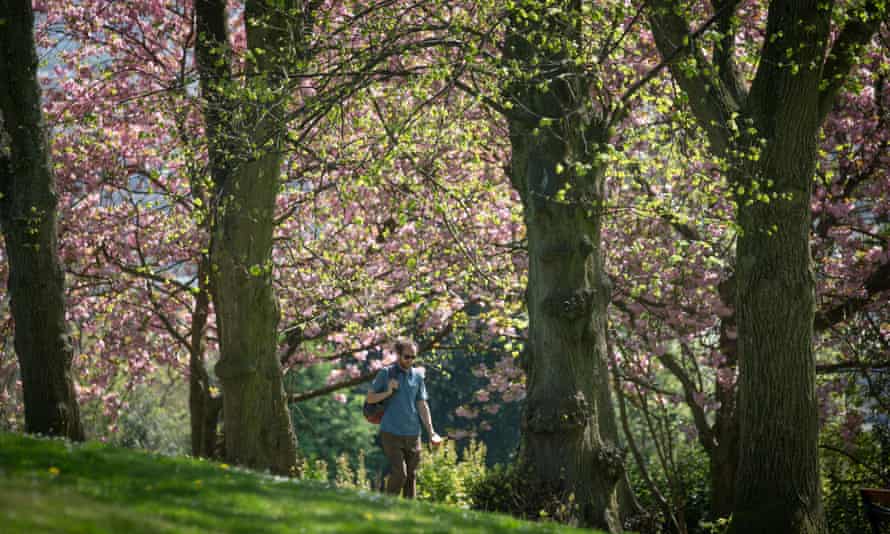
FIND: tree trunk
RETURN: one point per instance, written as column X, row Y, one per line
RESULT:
column 257, row 423
column 36, row 278
column 723, row 461
column 565, row 358
column 723, row 457
column 214, row 68
column 777, row 488
column 204, row 407
column 769, row 139
column 245, row 164
column 778, row 474
column 569, row 436
column 724, row 454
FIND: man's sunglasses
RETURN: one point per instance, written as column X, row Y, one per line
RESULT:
column 404, row 357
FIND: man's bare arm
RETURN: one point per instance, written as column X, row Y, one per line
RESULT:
column 424, row 410
column 374, row 398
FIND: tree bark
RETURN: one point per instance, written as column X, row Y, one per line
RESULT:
column 778, row 475
column 204, row 407
column 777, row 484
column 723, row 456
column 245, row 165
column 769, row 139
column 565, row 358
column 569, row 436
column 36, row 279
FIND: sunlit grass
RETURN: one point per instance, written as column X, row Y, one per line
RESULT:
column 54, row 486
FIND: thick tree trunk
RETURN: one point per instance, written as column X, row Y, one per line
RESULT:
column 245, row 164
column 777, row 485
column 568, row 443
column 778, row 475
column 567, row 390
column 769, row 138
column 36, row 279
column 257, row 423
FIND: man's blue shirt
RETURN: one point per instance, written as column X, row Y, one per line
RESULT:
column 401, row 417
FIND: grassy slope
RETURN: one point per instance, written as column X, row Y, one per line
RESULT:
column 54, row 486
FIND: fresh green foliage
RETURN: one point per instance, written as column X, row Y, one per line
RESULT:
column 496, row 491
column 52, row 485
column 444, row 476
column 314, row 469
column 347, row 477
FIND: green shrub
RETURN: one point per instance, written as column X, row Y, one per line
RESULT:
column 848, row 467
column 687, row 490
column 345, row 476
column 447, row 477
column 496, row 491
column 314, row 469
column 509, row 490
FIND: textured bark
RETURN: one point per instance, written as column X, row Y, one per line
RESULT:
column 723, row 456
column 567, row 376
column 36, row 279
column 769, row 137
column 245, row 165
column 257, row 423
column 723, row 459
column 204, row 407
column 778, row 482
column 777, row 487
column 569, row 435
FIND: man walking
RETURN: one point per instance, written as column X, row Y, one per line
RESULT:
column 403, row 389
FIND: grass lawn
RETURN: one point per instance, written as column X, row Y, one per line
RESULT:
column 55, row 486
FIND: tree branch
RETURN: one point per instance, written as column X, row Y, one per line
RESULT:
column 845, row 52
column 635, row 451
column 877, row 282
column 847, row 367
column 705, row 432
column 711, row 100
column 367, row 377
column 723, row 51
column 144, row 271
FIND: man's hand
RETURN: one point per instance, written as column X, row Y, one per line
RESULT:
column 391, row 387
column 435, row 439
